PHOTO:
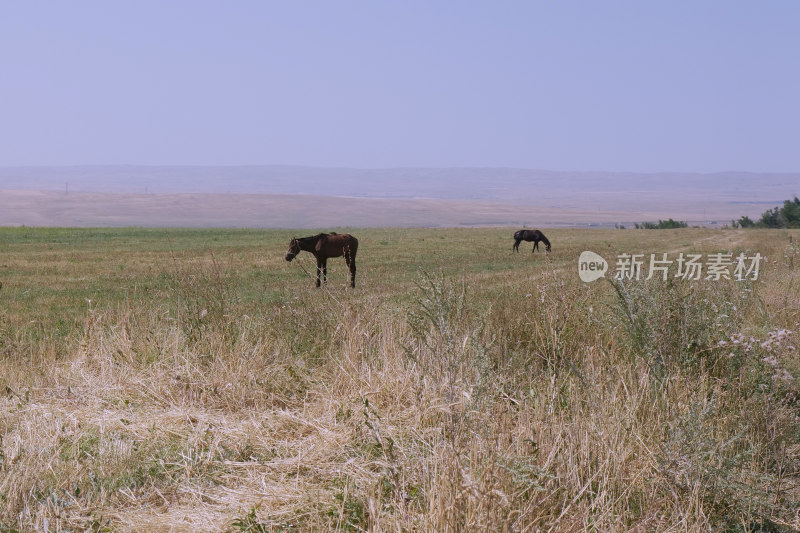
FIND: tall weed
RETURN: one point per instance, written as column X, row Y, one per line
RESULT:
column 676, row 326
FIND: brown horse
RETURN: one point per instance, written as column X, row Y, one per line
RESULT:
column 323, row 246
column 528, row 235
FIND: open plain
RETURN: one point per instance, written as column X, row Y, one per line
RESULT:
column 307, row 197
column 193, row 380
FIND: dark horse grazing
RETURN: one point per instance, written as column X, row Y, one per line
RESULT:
column 323, row 246
column 529, row 235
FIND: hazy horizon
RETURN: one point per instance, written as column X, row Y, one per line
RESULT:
column 296, row 196
column 570, row 86
column 504, row 183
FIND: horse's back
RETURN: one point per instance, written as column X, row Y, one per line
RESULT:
column 336, row 244
column 525, row 234
column 529, row 235
column 341, row 238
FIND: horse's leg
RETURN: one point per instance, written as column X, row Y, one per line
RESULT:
column 319, row 271
column 516, row 245
column 351, row 262
column 325, row 270
column 535, row 246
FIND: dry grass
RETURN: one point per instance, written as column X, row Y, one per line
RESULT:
column 208, row 387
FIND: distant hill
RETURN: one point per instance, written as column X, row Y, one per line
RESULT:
column 607, row 196
column 506, row 184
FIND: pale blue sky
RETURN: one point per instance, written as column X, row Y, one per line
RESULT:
column 561, row 85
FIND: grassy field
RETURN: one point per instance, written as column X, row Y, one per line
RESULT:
column 193, row 380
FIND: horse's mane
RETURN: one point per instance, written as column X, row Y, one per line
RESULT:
column 306, row 240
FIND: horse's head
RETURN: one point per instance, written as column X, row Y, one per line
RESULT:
column 294, row 249
column 547, row 247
